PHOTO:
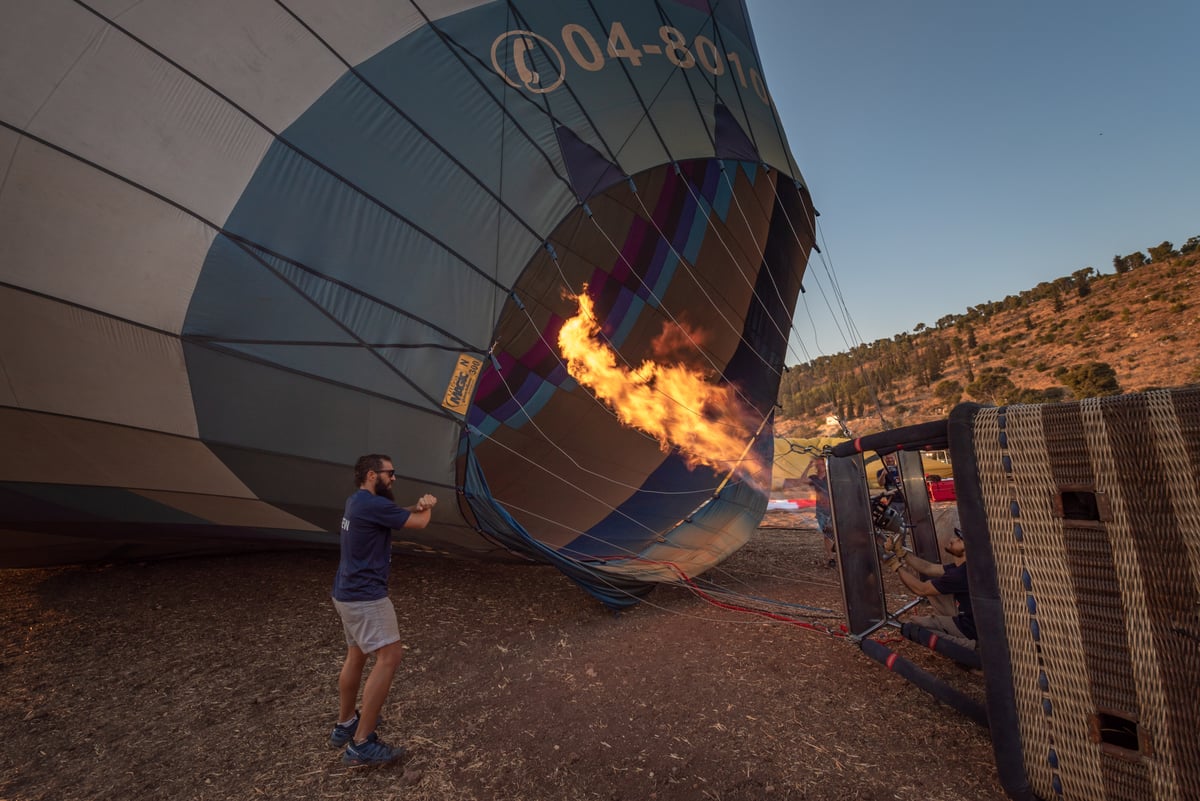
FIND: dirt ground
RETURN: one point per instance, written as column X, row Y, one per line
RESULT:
column 215, row 678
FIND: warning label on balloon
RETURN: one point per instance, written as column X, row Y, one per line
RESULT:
column 462, row 383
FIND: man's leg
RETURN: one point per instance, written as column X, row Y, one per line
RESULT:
column 349, row 680
column 825, row 524
column 943, row 627
column 387, row 660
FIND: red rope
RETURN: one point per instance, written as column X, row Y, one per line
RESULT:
column 804, row 624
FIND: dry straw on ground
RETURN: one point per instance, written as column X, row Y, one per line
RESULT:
column 214, row 678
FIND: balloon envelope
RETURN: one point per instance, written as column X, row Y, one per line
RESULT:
column 243, row 243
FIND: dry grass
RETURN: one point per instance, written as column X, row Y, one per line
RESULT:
column 214, row 678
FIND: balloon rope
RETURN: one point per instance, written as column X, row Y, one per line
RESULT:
column 670, row 316
column 649, row 119
column 585, row 563
column 683, row 580
column 646, row 116
column 550, row 441
column 294, row 148
column 691, row 584
column 255, row 252
column 766, row 212
column 446, row 39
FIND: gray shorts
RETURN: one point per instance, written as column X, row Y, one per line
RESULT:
column 369, row 625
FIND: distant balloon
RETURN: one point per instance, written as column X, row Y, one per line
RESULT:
column 242, row 243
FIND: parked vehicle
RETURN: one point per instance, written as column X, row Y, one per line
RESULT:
column 940, row 489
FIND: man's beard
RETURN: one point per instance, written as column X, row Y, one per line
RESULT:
column 383, row 489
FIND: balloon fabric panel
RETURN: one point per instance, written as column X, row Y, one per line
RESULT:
column 296, row 236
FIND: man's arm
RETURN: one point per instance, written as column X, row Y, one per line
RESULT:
column 912, row 568
column 915, row 583
column 931, row 569
column 420, row 512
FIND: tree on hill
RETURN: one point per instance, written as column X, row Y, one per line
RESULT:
column 1163, row 251
column 993, row 386
column 1124, row 264
column 1091, row 380
column 1013, row 342
column 1082, row 287
column 949, row 392
column 1048, row 395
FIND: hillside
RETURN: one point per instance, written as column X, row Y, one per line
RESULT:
column 1048, row 343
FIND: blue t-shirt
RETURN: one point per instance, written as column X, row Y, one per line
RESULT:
column 954, row 582
column 367, row 547
column 888, row 476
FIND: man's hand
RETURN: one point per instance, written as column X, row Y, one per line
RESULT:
column 894, row 545
column 426, row 502
column 896, row 564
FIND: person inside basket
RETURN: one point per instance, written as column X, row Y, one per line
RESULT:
column 949, row 578
column 888, row 477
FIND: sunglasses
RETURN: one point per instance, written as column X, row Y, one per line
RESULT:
column 391, row 472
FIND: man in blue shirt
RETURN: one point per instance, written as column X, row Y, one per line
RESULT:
column 944, row 579
column 360, row 595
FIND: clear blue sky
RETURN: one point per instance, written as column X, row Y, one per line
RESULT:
column 961, row 151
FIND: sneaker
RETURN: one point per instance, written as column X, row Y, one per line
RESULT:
column 372, row 752
column 344, row 734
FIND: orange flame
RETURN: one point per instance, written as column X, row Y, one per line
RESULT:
column 673, row 403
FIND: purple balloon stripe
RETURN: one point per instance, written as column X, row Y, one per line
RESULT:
column 513, row 405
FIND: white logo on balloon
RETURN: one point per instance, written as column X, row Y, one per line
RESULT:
column 527, row 77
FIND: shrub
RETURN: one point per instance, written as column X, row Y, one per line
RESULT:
column 948, row 392
column 1054, row 394
column 993, row 387
column 1051, row 395
column 1091, row 380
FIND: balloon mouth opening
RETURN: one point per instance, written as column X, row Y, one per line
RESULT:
column 586, row 433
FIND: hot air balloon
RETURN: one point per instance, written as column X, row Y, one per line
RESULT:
column 242, row 243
